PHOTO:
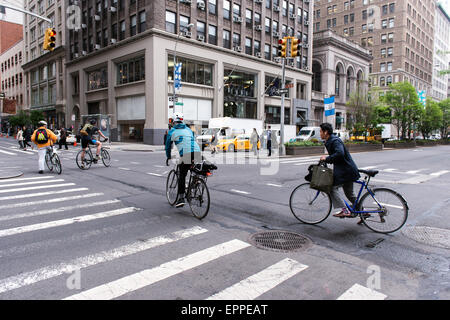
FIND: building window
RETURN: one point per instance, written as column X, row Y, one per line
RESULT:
column 236, row 40
column 170, row 22
column 184, row 22
column 346, row 19
column 384, row 24
column 385, row 9
column 392, row 8
column 248, row 18
column 192, row 71
column 240, row 99
column 267, row 25
column 273, row 114
column 382, row 82
column 131, row 70
column 267, row 51
column 383, row 38
column 142, row 21
column 248, row 46
column 383, row 53
column 212, row 6
column 257, row 18
column 201, row 29
column 257, row 46
column 97, row 79
column 236, row 10
column 390, row 52
column 388, row 80
column 226, row 39
column 389, row 66
column 226, row 9
column 390, row 37
column 212, row 34
column 382, row 67
column 391, row 23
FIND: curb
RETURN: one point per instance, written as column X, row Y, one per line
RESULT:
column 11, row 177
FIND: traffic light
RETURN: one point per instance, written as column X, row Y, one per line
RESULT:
column 282, row 44
column 49, row 39
column 295, row 47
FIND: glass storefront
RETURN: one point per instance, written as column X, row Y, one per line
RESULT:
column 240, row 94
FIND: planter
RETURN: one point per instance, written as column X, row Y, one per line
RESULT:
column 400, row 145
column 299, row 151
column 426, row 144
column 362, row 147
column 447, row 142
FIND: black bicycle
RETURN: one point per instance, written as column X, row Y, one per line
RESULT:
column 52, row 160
column 382, row 210
column 89, row 157
column 197, row 193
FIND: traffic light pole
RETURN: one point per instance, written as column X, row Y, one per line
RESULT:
column 281, row 148
column 26, row 12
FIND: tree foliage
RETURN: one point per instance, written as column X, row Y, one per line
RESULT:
column 431, row 118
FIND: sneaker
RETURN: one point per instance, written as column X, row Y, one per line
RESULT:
column 98, row 157
column 82, row 165
column 180, row 202
column 41, row 171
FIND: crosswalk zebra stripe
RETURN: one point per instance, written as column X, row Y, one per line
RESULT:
column 359, row 292
column 38, row 187
column 41, row 202
column 256, row 285
column 303, row 163
column 439, row 173
column 56, row 210
column 39, row 194
column 29, row 183
column 147, row 277
column 10, row 153
column 24, row 179
column 63, row 222
column 48, row 272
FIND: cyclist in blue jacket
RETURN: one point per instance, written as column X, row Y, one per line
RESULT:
column 189, row 150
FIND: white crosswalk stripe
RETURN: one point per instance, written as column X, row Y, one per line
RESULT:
column 40, row 194
column 54, row 200
column 29, row 183
column 38, row 187
column 359, row 292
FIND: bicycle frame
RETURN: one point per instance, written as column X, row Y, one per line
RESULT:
column 364, row 185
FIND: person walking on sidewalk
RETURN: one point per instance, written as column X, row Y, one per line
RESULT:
column 63, row 138
column 269, row 141
column 27, row 138
column 43, row 138
column 254, row 139
column 345, row 171
column 213, row 144
column 20, row 137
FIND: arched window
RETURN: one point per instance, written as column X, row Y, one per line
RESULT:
column 316, row 77
column 337, row 81
column 382, row 82
column 347, row 86
column 388, row 80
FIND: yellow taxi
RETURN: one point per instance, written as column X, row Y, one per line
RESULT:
column 240, row 142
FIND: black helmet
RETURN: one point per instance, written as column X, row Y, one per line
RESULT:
column 93, row 121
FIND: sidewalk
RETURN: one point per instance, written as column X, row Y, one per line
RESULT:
column 125, row 146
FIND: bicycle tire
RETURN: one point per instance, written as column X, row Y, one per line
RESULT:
column 302, row 207
column 197, row 193
column 48, row 162
column 376, row 220
column 57, row 163
column 172, row 187
column 106, row 158
column 87, row 160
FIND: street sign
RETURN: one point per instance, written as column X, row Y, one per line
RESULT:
column 178, row 75
column 281, row 91
column 179, row 103
column 171, row 99
column 289, row 85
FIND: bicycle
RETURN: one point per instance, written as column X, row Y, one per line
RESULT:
column 89, row 157
column 52, row 160
column 382, row 210
column 197, row 193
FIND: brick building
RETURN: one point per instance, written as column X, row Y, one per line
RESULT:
column 120, row 62
column 10, row 34
column 399, row 35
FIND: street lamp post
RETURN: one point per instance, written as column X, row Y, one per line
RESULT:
column 174, row 96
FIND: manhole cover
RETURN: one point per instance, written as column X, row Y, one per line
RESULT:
column 281, row 241
column 429, row 235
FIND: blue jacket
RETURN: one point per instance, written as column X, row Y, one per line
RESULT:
column 184, row 140
column 344, row 168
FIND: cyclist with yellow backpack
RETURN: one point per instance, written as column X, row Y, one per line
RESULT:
column 43, row 138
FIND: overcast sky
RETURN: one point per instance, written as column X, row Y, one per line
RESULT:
column 12, row 15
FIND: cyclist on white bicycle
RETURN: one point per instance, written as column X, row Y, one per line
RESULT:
column 87, row 132
column 189, row 150
column 43, row 138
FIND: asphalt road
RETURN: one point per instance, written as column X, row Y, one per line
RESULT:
column 109, row 233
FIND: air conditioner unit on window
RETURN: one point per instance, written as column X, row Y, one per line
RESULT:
column 113, row 41
column 187, row 34
column 305, row 45
column 258, row 28
column 258, row 54
column 276, row 34
column 185, row 1
column 97, row 18
column 277, row 59
column 237, row 19
column 276, row 8
column 97, row 46
column 76, row 2
column 306, row 22
column 237, row 48
column 292, row 16
column 306, row 1
column 75, row 55
column 83, row 25
column 83, row 53
column 112, row 9
column 201, row 5
column 305, row 68
column 259, row 1
column 200, row 37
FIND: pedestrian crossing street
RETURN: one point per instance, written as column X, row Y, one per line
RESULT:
column 63, row 208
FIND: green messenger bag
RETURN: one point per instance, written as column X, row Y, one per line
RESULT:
column 322, row 178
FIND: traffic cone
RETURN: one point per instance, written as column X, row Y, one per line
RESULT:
column 75, row 144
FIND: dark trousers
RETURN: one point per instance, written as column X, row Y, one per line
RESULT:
column 21, row 144
column 63, row 142
column 186, row 162
column 26, row 143
column 269, row 147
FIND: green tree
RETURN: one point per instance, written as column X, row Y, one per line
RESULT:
column 431, row 118
column 35, row 117
column 444, row 105
column 402, row 100
column 20, row 119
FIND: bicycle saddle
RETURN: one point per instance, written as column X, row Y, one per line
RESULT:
column 370, row 173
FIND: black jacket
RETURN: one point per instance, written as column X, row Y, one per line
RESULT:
column 345, row 169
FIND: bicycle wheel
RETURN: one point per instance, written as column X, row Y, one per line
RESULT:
column 106, row 158
column 308, row 205
column 57, row 163
column 48, row 161
column 393, row 207
column 87, row 160
column 198, row 198
column 172, row 187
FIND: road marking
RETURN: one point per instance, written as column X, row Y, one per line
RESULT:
column 358, row 292
column 23, row 179
column 414, row 171
column 25, row 204
column 21, row 196
column 28, row 183
column 300, row 164
column 367, row 168
column 389, row 170
column 439, row 173
column 134, row 162
column 38, row 187
column 158, row 166
column 10, row 153
column 154, row 174
column 126, row 169
column 258, row 284
column 44, row 212
column 239, row 191
column 147, row 277
column 56, row 270
column 274, row 185
column 64, row 222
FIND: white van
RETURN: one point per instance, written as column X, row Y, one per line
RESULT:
column 308, row 133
